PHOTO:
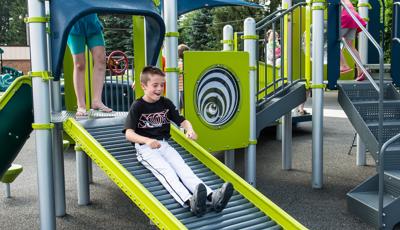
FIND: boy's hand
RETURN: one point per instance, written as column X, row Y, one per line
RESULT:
column 191, row 134
column 153, row 143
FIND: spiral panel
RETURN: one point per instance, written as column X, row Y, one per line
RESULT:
column 217, row 96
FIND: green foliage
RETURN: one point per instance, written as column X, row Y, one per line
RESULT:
column 196, row 30
column 202, row 29
column 118, row 33
column 12, row 26
column 388, row 29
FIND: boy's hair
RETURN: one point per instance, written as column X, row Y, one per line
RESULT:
column 150, row 70
column 182, row 48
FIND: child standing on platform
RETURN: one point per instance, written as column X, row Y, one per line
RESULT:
column 88, row 31
column 148, row 126
column 348, row 31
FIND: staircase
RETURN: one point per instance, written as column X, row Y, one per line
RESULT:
column 279, row 104
column 360, row 103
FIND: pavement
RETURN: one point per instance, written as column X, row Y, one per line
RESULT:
column 324, row 208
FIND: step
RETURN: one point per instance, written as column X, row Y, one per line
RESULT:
column 386, row 66
column 365, row 205
column 390, row 129
column 364, row 91
column 369, row 110
column 386, row 76
column 392, row 182
column 363, row 201
column 283, row 103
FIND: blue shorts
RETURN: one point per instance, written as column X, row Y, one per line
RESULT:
column 77, row 43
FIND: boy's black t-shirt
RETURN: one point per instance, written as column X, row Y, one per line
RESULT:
column 152, row 120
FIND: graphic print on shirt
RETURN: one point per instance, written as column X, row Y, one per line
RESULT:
column 153, row 120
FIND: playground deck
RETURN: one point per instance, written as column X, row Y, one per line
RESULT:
column 291, row 190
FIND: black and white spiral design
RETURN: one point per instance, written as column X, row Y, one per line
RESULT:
column 217, row 96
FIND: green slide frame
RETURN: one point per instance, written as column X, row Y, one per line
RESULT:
column 16, row 118
column 156, row 212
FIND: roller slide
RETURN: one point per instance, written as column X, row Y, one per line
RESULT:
column 103, row 141
column 16, row 117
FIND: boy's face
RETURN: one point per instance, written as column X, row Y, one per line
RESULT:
column 154, row 88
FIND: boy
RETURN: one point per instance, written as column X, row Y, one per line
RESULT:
column 148, row 126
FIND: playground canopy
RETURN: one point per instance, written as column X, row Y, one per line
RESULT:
column 185, row 6
column 64, row 14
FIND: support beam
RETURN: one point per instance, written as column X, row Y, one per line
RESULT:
column 41, row 106
column 288, row 71
column 361, row 149
column 82, row 177
column 250, row 40
column 171, row 41
column 318, row 93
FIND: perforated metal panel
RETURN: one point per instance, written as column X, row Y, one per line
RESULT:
column 366, row 92
column 360, row 102
column 369, row 111
column 239, row 213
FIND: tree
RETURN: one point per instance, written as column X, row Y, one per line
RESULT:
column 202, row 29
column 12, row 26
column 196, row 30
column 388, row 29
column 118, row 33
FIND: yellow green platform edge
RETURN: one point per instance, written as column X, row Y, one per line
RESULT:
column 156, row 211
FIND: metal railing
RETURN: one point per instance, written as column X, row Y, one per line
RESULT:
column 396, row 11
column 283, row 83
column 117, row 90
column 379, row 89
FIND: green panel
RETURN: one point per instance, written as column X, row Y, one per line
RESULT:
column 11, row 174
column 262, row 82
column 235, row 133
column 298, row 54
column 139, row 44
column 69, row 93
column 347, row 76
column 88, row 79
column 16, row 117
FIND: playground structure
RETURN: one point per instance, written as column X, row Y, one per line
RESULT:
column 7, row 74
column 102, row 141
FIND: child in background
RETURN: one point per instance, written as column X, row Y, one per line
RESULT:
column 270, row 48
column 348, row 31
column 148, row 126
column 181, row 49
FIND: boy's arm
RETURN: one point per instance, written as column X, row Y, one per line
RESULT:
column 189, row 130
column 131, row 136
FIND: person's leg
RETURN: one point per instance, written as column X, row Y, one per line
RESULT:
column 344, row 66
column 79, row 81
column 152, row 160
column 77, row 47
column 96, row 46
column 300, row 109
column 355, row 51
column 184, row 172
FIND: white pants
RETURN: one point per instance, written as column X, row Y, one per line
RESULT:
column 170, row 169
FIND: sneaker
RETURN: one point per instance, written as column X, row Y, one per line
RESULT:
column 221, row 196
column 198, row 200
